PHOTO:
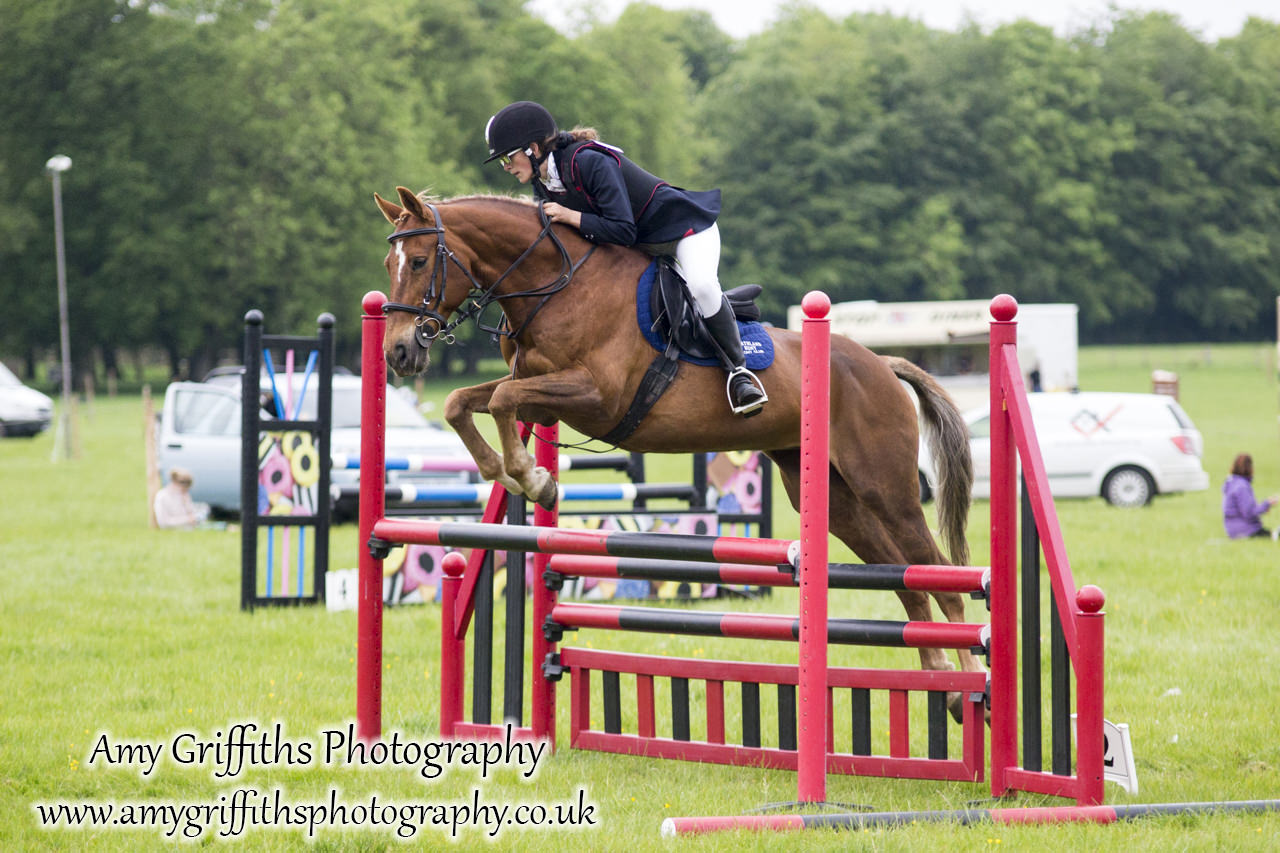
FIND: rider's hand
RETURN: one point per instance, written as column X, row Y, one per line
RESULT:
column 563, row 215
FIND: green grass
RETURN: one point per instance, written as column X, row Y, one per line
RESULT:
column 109, row 626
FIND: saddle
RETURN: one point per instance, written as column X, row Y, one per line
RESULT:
column 676, row 320
column 681, row 330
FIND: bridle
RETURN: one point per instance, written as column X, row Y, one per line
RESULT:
column 431, row 324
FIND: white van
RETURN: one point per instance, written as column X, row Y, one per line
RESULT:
column 1126, row 448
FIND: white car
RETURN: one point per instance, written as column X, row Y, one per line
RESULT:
column 1126, row 448
column 23, row 411
column 199, row 430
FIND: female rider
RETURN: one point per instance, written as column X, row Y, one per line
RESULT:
column 590, row 186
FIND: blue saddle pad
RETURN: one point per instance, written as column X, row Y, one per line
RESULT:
column 757, row 346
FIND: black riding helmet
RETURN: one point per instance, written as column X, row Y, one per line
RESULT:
column 516, row 126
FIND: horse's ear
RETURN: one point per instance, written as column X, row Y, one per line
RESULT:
column 389, row 209
column 412, row 203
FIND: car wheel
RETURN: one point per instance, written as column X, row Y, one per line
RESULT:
column 926, row 493
column 1128, row 487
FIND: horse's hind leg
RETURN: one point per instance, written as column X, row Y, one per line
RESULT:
column 880, row 530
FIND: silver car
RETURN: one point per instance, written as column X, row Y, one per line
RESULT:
column 199, row 430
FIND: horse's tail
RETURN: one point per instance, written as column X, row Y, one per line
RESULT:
column 947, row 436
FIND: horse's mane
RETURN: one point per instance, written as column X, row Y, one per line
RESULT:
column 427, row 197
column 521, row 204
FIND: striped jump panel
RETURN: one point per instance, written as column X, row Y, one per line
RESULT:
column 756, row 684
column 765, row 626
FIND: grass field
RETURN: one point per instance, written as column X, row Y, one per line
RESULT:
column 111, row 632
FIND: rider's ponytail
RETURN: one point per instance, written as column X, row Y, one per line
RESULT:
column 565, row 138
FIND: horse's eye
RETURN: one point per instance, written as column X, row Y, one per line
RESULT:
column 418, row 263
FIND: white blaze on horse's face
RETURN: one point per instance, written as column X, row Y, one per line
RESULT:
column 400, row 254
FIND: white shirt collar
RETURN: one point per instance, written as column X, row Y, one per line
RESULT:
column 553, row 181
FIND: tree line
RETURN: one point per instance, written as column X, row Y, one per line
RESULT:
column 226, row 152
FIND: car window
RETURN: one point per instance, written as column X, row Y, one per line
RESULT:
column 7, row 379
column 1148, row 416
column 289, row 405
column 401, row 413
column 1181, row 416
column 200, row 412
column 346, row 407
column 981, row 428
column 346, row 410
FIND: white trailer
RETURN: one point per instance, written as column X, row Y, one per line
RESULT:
column 949, row 339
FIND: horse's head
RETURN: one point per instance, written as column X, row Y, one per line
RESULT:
column 498, row 248
column 422, row 294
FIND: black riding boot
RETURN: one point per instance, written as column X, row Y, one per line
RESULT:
column 746, row 393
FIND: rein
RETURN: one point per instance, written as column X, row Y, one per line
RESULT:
column 431, row 324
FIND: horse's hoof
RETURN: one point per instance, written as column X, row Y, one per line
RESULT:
column 550, row 492
column 955, row 704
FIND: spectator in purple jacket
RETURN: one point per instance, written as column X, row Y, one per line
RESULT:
column 1241, row 513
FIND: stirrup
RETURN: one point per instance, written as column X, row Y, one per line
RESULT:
column 753, row 407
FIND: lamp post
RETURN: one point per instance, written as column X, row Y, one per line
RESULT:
column 58, row 164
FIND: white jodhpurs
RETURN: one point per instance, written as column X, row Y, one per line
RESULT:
column 698, row 262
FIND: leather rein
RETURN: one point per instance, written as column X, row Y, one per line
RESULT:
column 431, row 324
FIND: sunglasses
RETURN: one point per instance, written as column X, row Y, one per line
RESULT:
column 505, row 159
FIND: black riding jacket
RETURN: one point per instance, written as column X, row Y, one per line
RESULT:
column 621, row 202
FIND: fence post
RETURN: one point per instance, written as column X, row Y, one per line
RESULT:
column 249, row 387
column 815, row 465
column 324, row 413
column 373, row 453
column 1090, row 741
column 543, row 691
column 452, row 649
column 1004, row 554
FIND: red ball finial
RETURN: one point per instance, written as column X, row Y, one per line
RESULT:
column 454, row 564
column 1090, row 599
column 1004, row 308
column 816, row 304
column 373, row 302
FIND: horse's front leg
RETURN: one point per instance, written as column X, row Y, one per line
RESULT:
column 459, row 410
column 540, row 398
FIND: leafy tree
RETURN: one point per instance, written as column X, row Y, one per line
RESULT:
column 1038, row 154
column 1196, row 196
column 226, row 150
column 94, row 81
column 651, row 115
column 811, row 161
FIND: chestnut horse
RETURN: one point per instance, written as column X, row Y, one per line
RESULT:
column 577, row 356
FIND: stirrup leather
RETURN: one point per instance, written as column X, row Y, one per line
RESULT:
column 748, row 408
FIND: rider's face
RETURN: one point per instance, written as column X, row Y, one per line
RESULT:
column 518, row 165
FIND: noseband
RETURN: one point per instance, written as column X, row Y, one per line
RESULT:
column 431, row 324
